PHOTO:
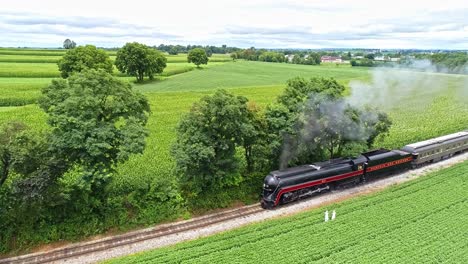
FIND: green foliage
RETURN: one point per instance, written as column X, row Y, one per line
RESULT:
column 313, row 122
column 173, row 51
column 233, row 56
column 313, row 58
column 206, row 141
column 96, row 119
column 69, row 44
column 139, row 60
column 455, row 62
column 271, row 56
column 136, row 193
column 363, row 62
column 8, row 146
column 197, row 56
column 84, row 57
column 298, row 90
column 427, row 213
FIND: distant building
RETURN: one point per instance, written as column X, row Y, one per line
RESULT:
column 358, row 57
column 394, row 59
column 379, row 58
column 289, row 57
column 331, row 59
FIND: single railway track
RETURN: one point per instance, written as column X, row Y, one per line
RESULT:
column 101, row 245
column 91, row 247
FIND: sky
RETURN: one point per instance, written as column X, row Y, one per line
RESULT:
column 420, row 24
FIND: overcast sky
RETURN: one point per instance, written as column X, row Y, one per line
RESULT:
column 433, row 24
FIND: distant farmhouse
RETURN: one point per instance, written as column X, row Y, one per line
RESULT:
column 331, row 59
column 289, row 57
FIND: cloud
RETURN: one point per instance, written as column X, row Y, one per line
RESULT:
column 36, row 26
column 259, row 23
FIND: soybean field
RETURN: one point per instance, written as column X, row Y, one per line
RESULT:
column 422, row 221
column 417, row 113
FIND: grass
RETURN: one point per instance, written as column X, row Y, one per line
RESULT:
column 422, row 221
column 243, row 73
column 21, row 91
column 18, row 91
column 414, row 117
column 54, row 57
column 33, row 70
column 417, row 114
column 48, row 70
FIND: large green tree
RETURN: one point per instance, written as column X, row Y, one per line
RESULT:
column 97, row 120
column 207, row 138
column 139, row 60
column 84, row 57
column 197, row 56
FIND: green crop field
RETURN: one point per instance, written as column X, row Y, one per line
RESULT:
column 48, row 70
column 417, row 113
column 416, row 116
column 422, row 221
column 54, row 57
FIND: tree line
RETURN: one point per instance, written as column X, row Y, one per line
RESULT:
column 134, row 59
column 252, row 54
column 176, row 49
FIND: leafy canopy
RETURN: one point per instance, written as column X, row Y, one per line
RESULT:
column 84, row 57
column 139, row 60
column 312, row 121
column 69, row 44
column 207, row 138
column 197, row 56
column 96, row 119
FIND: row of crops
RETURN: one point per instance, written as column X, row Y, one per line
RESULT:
column 418, row 115
column 423, row 221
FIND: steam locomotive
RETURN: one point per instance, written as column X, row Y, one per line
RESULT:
column 285, row 186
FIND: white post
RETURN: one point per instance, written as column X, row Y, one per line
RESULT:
column 333, row 215
column 326, row 216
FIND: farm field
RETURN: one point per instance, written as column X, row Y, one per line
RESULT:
column 53, row 57
column 421, row 221
column 418, row 115
column 417, row 112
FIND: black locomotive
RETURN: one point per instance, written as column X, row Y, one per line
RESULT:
column 284, row 186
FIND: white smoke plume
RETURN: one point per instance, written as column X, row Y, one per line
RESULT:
column 322, row 117
column 386, row 89
column 390, row 85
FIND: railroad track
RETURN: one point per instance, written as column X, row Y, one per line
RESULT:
column 103, row 244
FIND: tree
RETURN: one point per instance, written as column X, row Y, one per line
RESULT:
column 139, row 60
column 21, row 151
column 299, row 89
column 69, row 44
column 97, row 120
column 173, row 51
column 84, row 57
column 234, row 56
column 312, row 121
column 197, row 56
column 207, row 138
column 370, row 56
column 8, row 135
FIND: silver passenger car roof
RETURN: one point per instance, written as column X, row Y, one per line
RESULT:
column 437, row 140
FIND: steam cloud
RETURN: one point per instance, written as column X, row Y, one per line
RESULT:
column 390, row 85
column 386, row 88
column 323, row 114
